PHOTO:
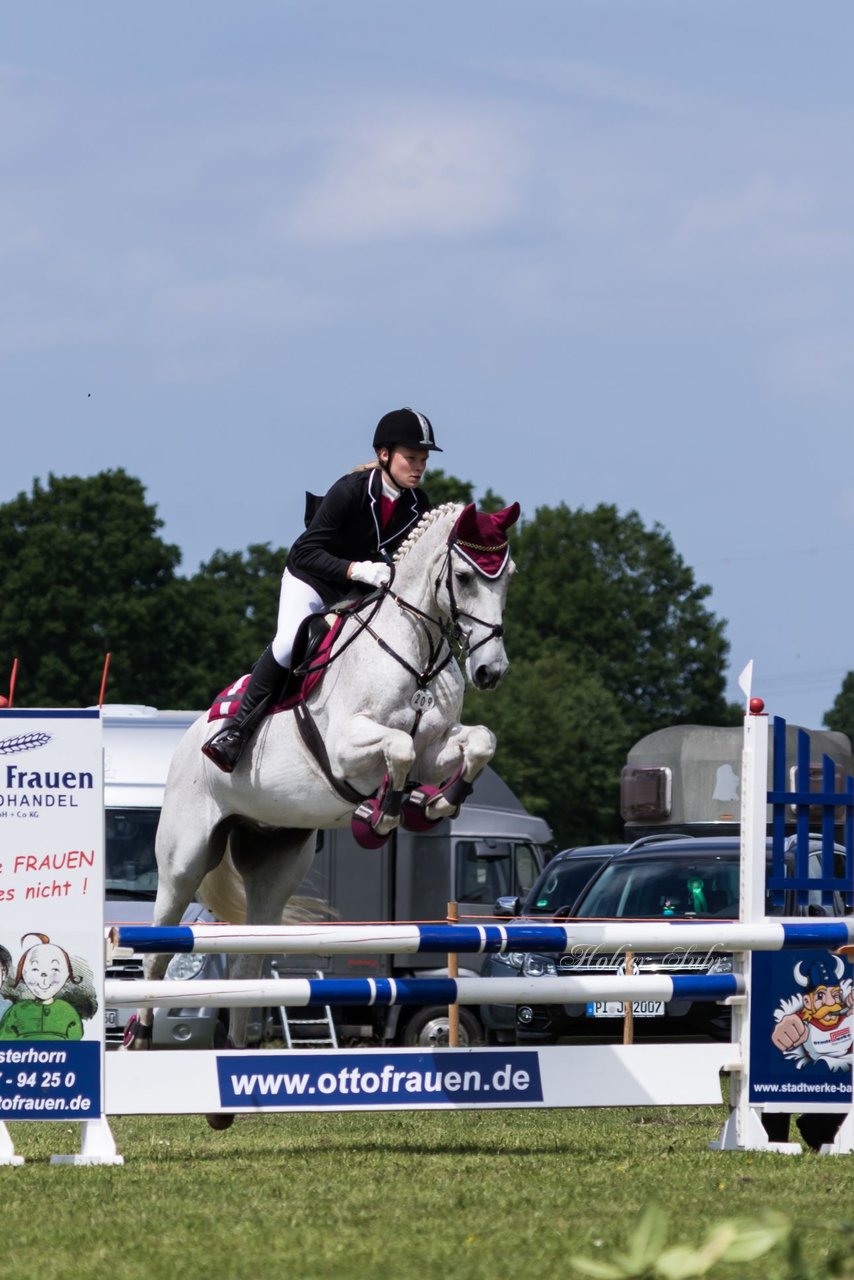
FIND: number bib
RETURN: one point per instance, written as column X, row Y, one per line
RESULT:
column 422, row 700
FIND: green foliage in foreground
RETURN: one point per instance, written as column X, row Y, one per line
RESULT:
column 475, row 1195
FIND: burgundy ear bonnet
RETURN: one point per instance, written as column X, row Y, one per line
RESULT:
column 481, row 538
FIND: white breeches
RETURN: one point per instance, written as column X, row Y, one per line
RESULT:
column 296, row 601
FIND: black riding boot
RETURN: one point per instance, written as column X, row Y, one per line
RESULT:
column 227, row 745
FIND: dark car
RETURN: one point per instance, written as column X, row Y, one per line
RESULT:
column 553, row 894
column 681, row 878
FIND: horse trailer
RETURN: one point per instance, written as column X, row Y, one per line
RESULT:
column 686, row 779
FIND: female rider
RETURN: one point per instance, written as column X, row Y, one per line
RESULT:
column 351, row 537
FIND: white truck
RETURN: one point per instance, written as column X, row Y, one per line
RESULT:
column 495, row 848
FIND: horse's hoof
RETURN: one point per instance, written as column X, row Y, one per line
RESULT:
column 415, row 816
column 137, row 1035
column 219, row 1122
column 365, row 834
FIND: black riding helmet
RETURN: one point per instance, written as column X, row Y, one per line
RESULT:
column 406, row 429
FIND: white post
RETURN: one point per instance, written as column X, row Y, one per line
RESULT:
column 743, row 1130
column 97, row 1145
column 7, row 1147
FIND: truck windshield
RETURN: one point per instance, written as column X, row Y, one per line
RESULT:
column 131, row 865
column 488, row 868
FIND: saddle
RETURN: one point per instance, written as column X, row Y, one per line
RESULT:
column 312, row 644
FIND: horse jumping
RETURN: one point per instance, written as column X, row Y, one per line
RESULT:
column 387, row 714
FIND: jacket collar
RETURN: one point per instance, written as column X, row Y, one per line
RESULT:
column 406, row 510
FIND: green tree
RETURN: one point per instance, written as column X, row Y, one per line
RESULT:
column 442, row 488
column 609, row 638
column 841, row 715
column 225, row 615
column 609, row 632
column 621, row 602
column 562, row 741
column 84, row 572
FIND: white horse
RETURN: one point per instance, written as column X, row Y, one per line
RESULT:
column 387, row 711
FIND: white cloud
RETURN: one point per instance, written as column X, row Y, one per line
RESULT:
column 427, row 173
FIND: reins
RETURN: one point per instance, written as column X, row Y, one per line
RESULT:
column 448, row 633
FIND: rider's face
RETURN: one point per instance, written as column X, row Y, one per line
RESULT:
column 405, row 466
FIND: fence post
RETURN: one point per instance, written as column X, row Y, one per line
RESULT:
column 453, row 972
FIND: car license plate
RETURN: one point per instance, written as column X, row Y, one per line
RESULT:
column 111, row 1017
column 616, row 1008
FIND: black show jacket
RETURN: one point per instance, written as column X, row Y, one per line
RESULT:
column 345, row 526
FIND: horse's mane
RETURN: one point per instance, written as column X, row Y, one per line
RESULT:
column 426, row 522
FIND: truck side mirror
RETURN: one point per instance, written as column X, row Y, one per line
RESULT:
column 509, row 906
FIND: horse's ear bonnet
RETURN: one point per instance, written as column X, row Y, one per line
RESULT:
column 481, row 538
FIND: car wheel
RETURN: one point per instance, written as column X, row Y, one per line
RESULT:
column 428, row 1028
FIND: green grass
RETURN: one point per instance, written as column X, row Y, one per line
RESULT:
column 387, row 1196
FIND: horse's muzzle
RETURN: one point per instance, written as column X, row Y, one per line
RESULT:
column 487, row 674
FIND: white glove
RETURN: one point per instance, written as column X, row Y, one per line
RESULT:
column 372, row 572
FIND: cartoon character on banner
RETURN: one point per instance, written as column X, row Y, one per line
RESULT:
column 51, row 994
column 815, row 1025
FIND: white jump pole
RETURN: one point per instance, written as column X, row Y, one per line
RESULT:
column 244, row 994
column 580, row 939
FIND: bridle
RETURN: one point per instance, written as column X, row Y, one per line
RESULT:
column 440, row 636
column 459, row 634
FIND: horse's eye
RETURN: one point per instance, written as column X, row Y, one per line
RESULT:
column 463, row 577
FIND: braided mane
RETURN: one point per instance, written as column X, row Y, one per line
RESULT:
column 426, row 522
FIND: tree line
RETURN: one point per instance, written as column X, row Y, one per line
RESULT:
column 608, row 631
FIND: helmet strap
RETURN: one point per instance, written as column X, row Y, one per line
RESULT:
column 385, row 466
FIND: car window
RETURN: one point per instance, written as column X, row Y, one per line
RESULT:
column 670, row 887
column 527, row 868
column 131, row 864
column 560, row 885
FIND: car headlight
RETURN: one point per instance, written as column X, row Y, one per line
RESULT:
column 185, row 965
column 515, row 959
column 538, row 967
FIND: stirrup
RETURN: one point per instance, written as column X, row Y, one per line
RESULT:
column 225, row 748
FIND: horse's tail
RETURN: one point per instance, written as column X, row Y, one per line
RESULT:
column 222, row 892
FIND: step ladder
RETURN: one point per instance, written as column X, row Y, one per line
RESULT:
column 296, row 1030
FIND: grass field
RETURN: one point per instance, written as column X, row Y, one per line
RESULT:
column 388, row 1196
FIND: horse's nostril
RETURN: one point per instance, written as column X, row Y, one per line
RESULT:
column 486, row 677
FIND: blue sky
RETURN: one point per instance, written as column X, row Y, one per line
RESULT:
column 607, row 247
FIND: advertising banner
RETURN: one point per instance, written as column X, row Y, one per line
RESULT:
column 227, row 1081
column 800, row 1030
column 51, row 915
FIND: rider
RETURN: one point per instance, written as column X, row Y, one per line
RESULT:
column 351, row 536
